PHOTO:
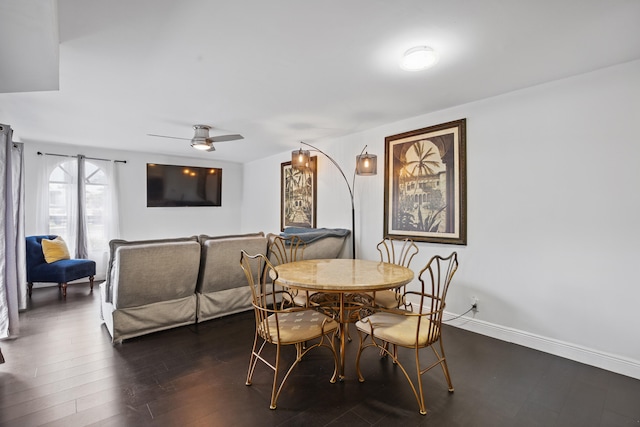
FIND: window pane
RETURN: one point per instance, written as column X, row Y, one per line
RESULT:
column 94, row 175
column 96, row 204
column 58, row 216
column 60, row 174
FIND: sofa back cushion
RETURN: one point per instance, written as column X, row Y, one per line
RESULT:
column 153, row 272
column 319, row 243
column 117, row 243
column 220, row 265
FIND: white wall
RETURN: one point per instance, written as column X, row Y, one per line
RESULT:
column 553, row 202
column 137, row 222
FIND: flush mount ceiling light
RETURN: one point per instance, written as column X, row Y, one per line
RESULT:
column 419, row 58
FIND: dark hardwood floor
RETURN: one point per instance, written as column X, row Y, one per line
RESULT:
column 64, row 371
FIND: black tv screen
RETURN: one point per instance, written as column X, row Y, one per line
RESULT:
column 171, row 185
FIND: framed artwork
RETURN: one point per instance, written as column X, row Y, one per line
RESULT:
column 425, row 194
column 298, row 196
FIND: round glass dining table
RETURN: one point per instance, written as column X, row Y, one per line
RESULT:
column 342, row 277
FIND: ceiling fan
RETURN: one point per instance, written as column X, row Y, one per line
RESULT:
column 201, row 140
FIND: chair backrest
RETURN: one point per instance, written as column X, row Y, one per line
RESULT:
column 286, row 249
column 33, row 246
column 397, row 251
column 265, row 294
column 435, row 279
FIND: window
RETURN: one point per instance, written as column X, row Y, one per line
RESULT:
column 96, row 191
column 62, row 196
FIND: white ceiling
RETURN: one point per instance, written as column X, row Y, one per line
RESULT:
column 282, row 71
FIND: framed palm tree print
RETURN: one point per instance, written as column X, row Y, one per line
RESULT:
column 298, row 195
column 425, row 184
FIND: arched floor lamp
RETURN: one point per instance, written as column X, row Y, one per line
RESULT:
column 366, row 164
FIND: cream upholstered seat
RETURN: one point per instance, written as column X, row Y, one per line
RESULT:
column 394, row 251
column 290, row 327
column 417, row 328
column 281, row 327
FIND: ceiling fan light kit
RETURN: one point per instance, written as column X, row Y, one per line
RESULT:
column 201, row 140
column 202, row 145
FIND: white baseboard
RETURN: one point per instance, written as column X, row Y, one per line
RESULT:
column 589, row 356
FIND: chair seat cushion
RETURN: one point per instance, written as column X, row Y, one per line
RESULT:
column 62, row 271
column 399, row 329
column 298, row 326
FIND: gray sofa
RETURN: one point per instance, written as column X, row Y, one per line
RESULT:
column 153, row 285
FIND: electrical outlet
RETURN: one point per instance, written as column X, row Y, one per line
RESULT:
column 474, row 303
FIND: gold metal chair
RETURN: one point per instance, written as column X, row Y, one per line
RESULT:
column 417, row 328
column 292, row 326
column 400, row 252
column 282, row 250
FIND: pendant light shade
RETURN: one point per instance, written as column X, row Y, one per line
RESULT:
column 366, row 164
column 300, row 159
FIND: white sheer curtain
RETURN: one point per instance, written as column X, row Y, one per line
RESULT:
column 13, row 280
column 57, row 198
column 109, row 228
column 66, row 203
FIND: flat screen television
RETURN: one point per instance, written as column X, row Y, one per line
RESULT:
column 172, row 185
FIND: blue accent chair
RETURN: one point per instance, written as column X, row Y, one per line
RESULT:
column 60, row 272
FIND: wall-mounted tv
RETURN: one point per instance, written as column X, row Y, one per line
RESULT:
column 171, row 185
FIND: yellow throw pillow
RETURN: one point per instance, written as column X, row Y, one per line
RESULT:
column 55, row 250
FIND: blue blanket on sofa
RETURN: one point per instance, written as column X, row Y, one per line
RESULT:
column 309, row 235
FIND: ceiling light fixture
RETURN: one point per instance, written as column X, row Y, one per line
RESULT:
column 419, row 58
column 201, row 144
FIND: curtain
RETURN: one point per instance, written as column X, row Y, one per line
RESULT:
column 63, row 208
column 98, row 246
column 112, row 209
column 13, row 276
column 57, row 199
column 82, row 250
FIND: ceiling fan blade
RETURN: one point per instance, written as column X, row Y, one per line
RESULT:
column 170, row 137
column 223, row 138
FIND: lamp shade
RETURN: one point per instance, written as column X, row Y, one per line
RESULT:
column 300, row 159
column 366, row 164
